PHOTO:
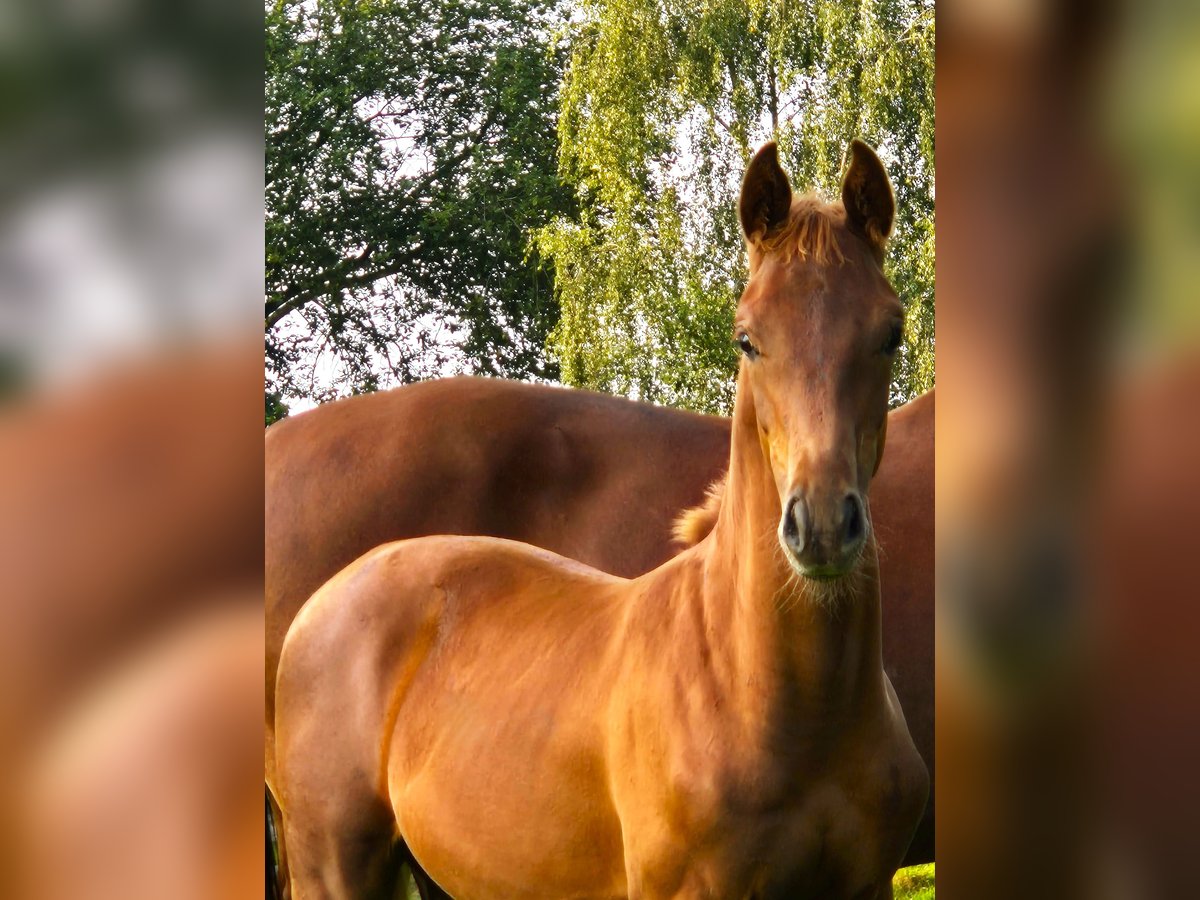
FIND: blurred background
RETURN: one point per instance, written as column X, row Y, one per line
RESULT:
column 1067, row 441
column 131, row 250
column 130, row 449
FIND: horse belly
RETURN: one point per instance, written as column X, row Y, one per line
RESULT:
column 496, row 774
column 507, row 822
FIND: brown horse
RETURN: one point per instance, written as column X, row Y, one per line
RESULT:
column 526, row 726
column 562, row 469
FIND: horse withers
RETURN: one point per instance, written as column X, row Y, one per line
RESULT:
column 523, row 725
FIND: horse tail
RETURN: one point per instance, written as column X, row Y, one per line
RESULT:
column 694, row 524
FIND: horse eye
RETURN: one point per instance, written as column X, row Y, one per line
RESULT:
column 743, row 341
column 895, row 335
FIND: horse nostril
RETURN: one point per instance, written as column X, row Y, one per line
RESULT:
column 794, row 524
column 853, row 528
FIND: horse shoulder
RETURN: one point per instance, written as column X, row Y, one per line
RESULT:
column 345, row 654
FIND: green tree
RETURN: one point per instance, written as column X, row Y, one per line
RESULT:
column 663, row 103
column 411, row 147
column 276, row 408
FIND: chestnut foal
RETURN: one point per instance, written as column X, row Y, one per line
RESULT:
column 524, row 726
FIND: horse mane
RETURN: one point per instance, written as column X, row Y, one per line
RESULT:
column 693, row 524
column 809, row 231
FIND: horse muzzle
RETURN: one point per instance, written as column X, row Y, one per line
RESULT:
column 823, row 541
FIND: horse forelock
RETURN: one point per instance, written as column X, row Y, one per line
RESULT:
column 810, row 232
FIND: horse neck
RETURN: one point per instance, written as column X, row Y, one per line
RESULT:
column 800, row 647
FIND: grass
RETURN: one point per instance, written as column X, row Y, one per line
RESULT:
column 914, row 883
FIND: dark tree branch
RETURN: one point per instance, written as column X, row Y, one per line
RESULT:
column 335, row 279
column 772, row 97
column 293, row 299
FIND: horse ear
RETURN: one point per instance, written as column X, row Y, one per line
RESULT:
column 766, row 195
column 868, row 198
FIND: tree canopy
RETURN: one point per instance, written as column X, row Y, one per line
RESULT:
column 663, row 104
column 410, row 149
column 554, row 184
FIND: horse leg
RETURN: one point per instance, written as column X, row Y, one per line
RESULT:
column 882, row 892
column 426, row 886
column 277, row 871
column 427, row 889
column 340, row 840
column 274, row 888
column 331, row 864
